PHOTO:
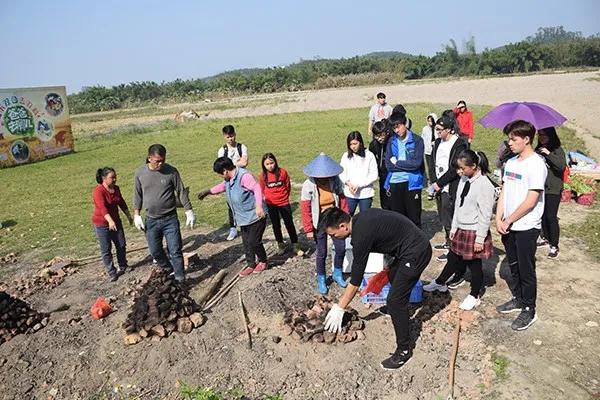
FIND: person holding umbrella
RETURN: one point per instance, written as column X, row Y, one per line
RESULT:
column 549, row 147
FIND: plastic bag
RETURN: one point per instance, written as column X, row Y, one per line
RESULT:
column 101, row 308
column 376, row 283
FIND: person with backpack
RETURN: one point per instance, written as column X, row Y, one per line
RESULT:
column 445, row 153
column 276, row 186
column 380, row 110
column 519, row 220
column 238, row 154
column 549, row 147
column 377, row 147
column 471, row 240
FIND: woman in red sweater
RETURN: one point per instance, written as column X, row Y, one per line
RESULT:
column 276, row 186
column 464, row 118
column 107, row 223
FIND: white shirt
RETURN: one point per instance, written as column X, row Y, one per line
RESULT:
column 232, row 153
column 442, row 158
column 379, row 112
column 521, row 176
column 427, row 136
column 360, row 171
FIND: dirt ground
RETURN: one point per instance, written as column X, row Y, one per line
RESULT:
column 556, row 358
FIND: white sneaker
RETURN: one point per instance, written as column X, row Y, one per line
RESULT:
column 469, row 303
column 232, row 234
column 431, row 287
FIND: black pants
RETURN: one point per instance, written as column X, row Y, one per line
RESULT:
column 384, row 199
column 520, row 249
column 456, row 264
column 252, row 239
column 285, row 212
column 445, row 209
column 430, row 168
column 230, row 214
column 404, row 274
column 406, row 202
column 550, row 227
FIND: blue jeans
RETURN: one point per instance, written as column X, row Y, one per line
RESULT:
column 340, row 251
column 167, row 227
column 106, row 238
column 362, row 203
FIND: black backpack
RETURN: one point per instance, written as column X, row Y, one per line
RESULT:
column 239, row 150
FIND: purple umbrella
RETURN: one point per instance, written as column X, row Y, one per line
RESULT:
column 539, row 115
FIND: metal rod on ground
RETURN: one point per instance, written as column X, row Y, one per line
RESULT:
column 245, row 320
column 453, row 356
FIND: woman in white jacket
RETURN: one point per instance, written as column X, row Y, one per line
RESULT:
column 428, row 134
column 360, row 172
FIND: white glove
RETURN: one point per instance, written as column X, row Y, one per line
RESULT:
column 190, row 218
column 333, row 320
column 138, row 222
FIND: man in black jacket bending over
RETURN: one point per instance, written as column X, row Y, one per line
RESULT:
column 390, row 233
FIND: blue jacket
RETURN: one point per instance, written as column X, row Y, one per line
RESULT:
column 241, row 201
column 413, row 164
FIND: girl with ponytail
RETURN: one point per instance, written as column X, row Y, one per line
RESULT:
column 471, row 240
column 107, row 223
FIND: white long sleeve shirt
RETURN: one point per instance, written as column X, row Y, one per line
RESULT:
column 359, row 171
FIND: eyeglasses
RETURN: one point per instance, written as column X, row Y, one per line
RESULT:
column 440, row 129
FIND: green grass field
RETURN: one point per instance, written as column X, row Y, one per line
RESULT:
column 47, row 206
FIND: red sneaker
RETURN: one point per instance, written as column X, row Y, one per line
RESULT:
column 260, row 267
column 246, row 271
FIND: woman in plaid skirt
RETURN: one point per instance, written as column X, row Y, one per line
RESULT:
column 470, row 232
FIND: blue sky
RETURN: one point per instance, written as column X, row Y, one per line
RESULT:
column 84, row 43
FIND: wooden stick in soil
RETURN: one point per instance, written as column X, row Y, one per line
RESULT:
column 214, row 283
column 223, row 291
column 245, row 320
column 453, row 357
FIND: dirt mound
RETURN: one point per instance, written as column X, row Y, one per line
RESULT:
column 161, row 307
column 16, row 316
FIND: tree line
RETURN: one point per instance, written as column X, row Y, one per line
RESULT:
column 549, row 48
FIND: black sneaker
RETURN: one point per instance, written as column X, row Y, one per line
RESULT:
column 512, row 305
column 455, row 282
column 541, row 242
column 442, row 257
column 383, row 310
column 442, row 247
column 113, row 277
column 120, row 271
column 396, row 360
column 525, row 319
column 553, row 253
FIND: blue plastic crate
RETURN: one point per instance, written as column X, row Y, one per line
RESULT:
column 373, row 298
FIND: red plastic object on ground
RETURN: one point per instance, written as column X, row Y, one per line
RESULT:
column 586, row 199
column 376, row 283
column 101, row 308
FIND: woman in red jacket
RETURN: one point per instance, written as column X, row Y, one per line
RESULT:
column 464, row 118
column 107, row 223
column 276, row 186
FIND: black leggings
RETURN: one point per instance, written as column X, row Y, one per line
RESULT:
column 550, row 227
column 285, row 212
column 457, row 264
column 252, row 239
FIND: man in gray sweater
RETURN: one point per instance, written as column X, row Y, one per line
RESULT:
column 157, row 186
